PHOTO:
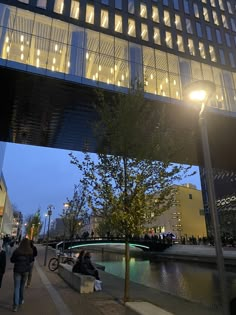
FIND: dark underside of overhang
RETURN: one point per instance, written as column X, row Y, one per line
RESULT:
column 43, row 111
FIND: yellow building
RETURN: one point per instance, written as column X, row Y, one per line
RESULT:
column 186, row 218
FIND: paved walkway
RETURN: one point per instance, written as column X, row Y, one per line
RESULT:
column 50, row 295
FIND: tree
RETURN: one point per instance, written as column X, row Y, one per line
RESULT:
column 75, row 213
column 33, row 225
column 126, row 184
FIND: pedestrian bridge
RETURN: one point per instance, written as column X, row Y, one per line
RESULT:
column 146, row 245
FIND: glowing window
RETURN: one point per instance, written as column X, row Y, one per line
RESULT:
column 156, row 36
column 213, row 3
column 167, row 18
column 58, row 6
column 202, row 50
column 205, row 14
column 229, row 7
column 224, row 21
column 191, row 47
column 74, row 9
column 215, row 18
column 118, row 23
column 178, row 23
column 221, row 5
column 89, row 14
column 104, row 18
column 144, row 32
column 188, row 26
column 196, row 11
column 169, row 40
column 143, row 10
column 212, row 53
column 131, row 28
column 155, row 14
column 180, row 43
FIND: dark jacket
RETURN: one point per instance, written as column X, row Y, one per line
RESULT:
column 22, row 262
column 35, row 252
column 2, row 261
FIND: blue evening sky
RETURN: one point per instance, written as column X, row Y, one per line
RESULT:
column 37, row 177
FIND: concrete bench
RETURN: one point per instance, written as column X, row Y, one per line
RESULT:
column 79, row 282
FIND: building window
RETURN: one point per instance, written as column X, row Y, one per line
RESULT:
column 131, row 6
column 143, row 10
column 118, row 23
column 74, row 9
column 41, row 4
column 196, row 10
column 180, row 43
column 199, row 29
column 186, row 6
column 218, row 37
column 227, row 37
column 105, row 2
column 212, row 53
column 233, row 26
column 213, row 3
column 229, row 7
column 104, row 19
column 165, row 2
column 167, row 18
column 176, row 4
column 144, row 32
column 156, row 36
column 190, row 196
column 205, row 14
column 188, row 26
column 89, row 14
column 118, row 4
column 24, row 1
column 215, row 18
column 178, row 24
column 59, row 6
column 221, row 5
column 169, row 40
column 224, row 21
column 191, row 47
column 202, row 50
column 222, row 56
column 155, row 14
column 209, row 34
column 232, row 61
column 131, row 28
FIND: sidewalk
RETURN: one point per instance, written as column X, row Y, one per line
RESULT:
column 50, row 295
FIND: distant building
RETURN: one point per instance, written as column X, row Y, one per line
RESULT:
column 186, row 218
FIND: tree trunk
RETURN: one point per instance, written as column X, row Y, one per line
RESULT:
column 126, row 288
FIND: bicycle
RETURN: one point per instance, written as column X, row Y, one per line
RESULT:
column 54, row 262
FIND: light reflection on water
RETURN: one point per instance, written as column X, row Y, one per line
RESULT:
column 196, row 282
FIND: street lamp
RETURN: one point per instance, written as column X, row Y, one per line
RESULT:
column 44, row 229
column 50, row 207
column 200, row 92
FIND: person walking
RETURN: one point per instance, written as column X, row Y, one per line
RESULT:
column 2, row 264
column 35, row 253
column 22, row 258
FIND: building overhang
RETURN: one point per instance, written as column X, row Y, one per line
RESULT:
column 43, row 111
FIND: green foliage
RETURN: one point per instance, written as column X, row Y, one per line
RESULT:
column 34, row 224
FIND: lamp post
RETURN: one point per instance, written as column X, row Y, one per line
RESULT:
column 200, row 92
column 50, row 207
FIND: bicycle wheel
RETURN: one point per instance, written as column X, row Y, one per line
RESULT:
column 53, row 264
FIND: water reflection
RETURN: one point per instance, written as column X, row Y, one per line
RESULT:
column 191, row 281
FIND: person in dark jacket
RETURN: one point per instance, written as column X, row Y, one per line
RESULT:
column 35, row 253
column 2, row 264
column 87, row 268
column 22, row 258
column 77, row 266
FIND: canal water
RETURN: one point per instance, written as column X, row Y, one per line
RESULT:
column 192, row 281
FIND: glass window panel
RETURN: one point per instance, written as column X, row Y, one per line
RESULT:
column 196, row 10
column 76, row 36
column 176, row 4
column 229, row 7
column 178, row 23
column 75, row 61
column 58, row 6
column 202, row 50
column 222, row 56
column 233, row 26
column 38, row 52
column 131, row 28
column 196, row 70
column 18, row 47
column 180, row 43
column 56, row 57
column 42, row 26
column 121, row 49
column 207, row 72
column 199, row 29
column 148, row 57
column 205, row 14
column 91, row 66
column 105, row 2
column 191, row 47
column 175, row 90
column 188, row 26
column 213, row 3
column 104, row 19
column 163, row 83
column 150, row 80
column 185, row 71
column 144, row 32
column 6, row 38
column 7, row 15
column 168, row 39
column 209, row 34
column 24, row 21
column 24, row 1
column 167, row 18
column 220, row 99
column 74, row 9
column 228, row 41
column 42, row 4
column 122, row 77
column 161, row 60
column 118, row 23
column 143, row 10
column 156, row 36
column 215, row 18
column 224, row 21
column 232, row 60
column 186, row 6
column 131, row 6
column 107, row 45
column 91, row 40
column 59, row 31
column 218, row 37
column 89, row 14
column 155, row 14
column 221, row 4
column 173, row 63
column 118, row 4
column 106, row 69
